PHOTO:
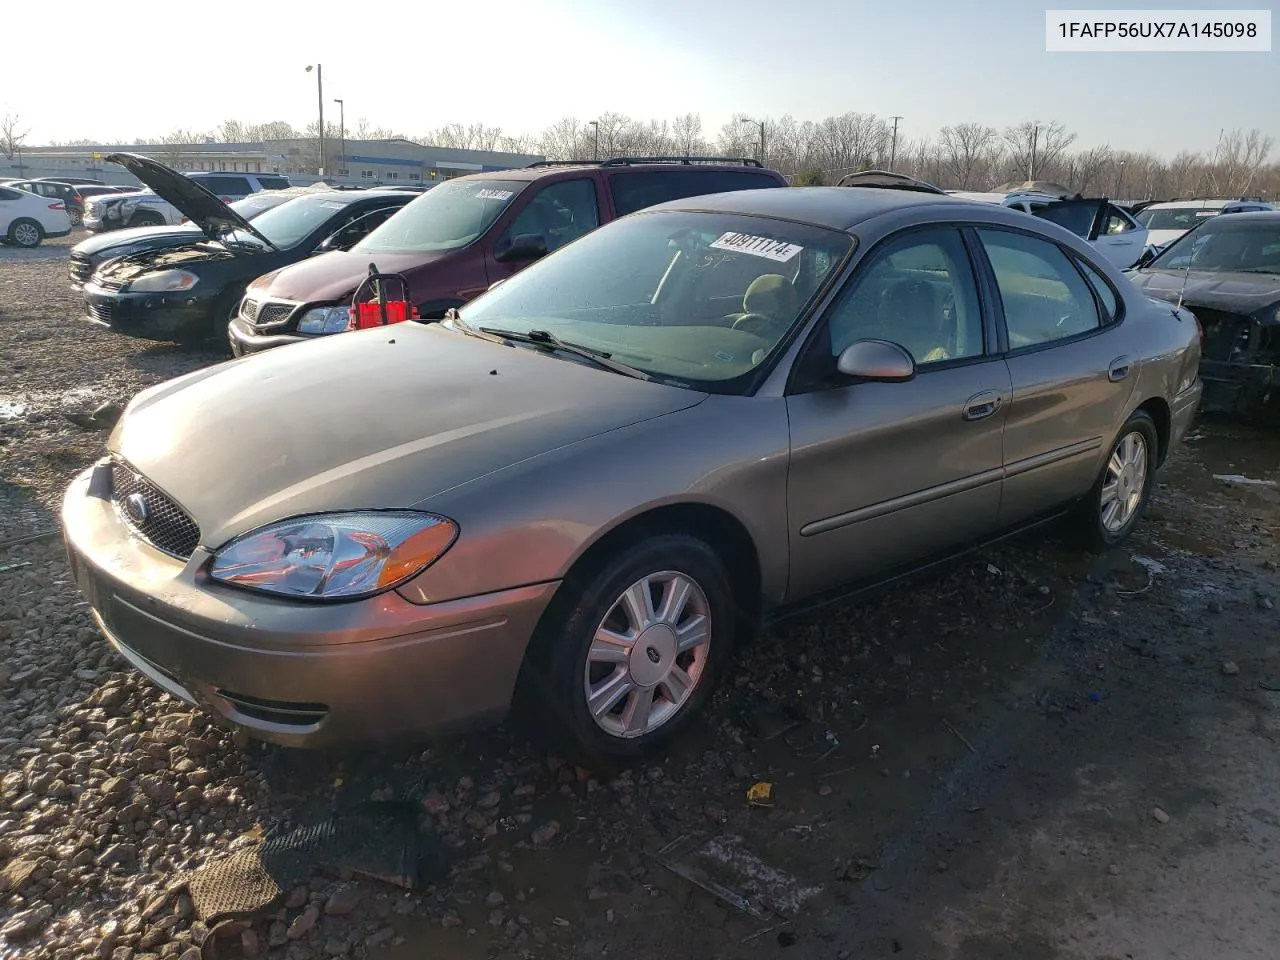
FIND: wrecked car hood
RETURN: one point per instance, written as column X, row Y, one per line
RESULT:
column 1242, row 293
column 374, row 419
column 196, row 203
column 122, row 238
column 123, row 269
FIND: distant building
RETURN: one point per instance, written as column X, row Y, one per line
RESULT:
column 368, row 162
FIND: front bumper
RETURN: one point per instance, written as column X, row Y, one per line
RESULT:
column 244, row 340
column 297, row 674
column 1237, row 387
column 151, row 316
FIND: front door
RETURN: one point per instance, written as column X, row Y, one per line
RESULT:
column 885, row 474
column 1071, row 381
column 559, row 212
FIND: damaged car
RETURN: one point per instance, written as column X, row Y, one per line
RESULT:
column 189, row 293
column 1226, row 271
column 585, row 486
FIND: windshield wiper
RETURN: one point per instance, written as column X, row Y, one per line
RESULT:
column 1259, row 270
column 544, row 338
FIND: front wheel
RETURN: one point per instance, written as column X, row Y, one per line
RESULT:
column 624, row 660
column 1118, row 498
column 25, row 233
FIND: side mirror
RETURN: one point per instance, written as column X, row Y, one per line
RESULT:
column 525, row 246
column 334, row 241
column 877, row 360
column 1148, row 255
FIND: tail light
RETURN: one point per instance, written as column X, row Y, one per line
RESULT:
column 57, row 206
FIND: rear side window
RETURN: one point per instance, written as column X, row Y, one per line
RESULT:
column 635, row 191
column 7, row 194
column 225, row 186
column 273, row 183
column 1044, row 297
column 1106, row 296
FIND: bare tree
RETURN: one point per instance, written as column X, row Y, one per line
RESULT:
column 686, row 133
column 277, row 130
column 1035, row 148
column 11, row 138
column 967, row 151
column 1087, row 168
column 564, row 140
column 1237, row 160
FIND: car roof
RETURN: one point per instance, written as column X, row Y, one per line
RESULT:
column 836, row 208
column 540, row 171
column 1246, row 218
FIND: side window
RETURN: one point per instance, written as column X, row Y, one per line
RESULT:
column 560, row 212
column 1106, row 296
column 6, row 194
column 1116, row 222
column 360, row 227
column 1045, row 298
column 918, row 291
column 273, row 183
column 635, row 191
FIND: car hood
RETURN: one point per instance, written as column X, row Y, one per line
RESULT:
column 119, row 271
column 196, row 203
column 373, row 419
column 1242, row 293
column 122, row 238
column 335, row 275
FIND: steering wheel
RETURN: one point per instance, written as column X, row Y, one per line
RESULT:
column 759, row 324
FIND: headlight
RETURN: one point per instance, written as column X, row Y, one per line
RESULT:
column 325, row 320
column 336, row 556
column 166, row 281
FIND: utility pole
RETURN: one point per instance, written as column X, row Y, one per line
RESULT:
column 1035, row 140
column 760, row 124
column 893, row 150
column 320, row 100
column 342, row 133
column 595, row 140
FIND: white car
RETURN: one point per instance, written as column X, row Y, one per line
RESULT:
column 1116, row 234
column 1166, row 222
column 145, row 209
column 27, row 218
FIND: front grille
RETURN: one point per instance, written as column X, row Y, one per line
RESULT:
column 152, row 514
column 249, row 310
column 100, row 311
column 273, row 315
column 81, row 267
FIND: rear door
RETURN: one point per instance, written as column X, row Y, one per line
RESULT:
column 882, row 474
column 1120, row 238
column 1071, row 382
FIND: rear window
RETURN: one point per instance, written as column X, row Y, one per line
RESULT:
column 225, row 186
column 273, row 183
column 1076, row 217
column 635, row 191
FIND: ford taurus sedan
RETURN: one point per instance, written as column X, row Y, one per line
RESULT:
column 591, row 482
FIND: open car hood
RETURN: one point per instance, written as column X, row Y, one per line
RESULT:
column 196, row 203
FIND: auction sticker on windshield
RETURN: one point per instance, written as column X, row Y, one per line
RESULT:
column 487, row 194
column 757, row 246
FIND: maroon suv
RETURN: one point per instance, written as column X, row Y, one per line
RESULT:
column 466, row 234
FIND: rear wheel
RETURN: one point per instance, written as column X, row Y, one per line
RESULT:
column 25, row 233
column 625, row 659
column 1111, row 510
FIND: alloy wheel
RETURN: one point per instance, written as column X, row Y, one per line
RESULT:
column 648, row 654
column 1125, row 481
column 26, row 235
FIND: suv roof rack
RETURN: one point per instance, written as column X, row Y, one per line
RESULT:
column 628, row 161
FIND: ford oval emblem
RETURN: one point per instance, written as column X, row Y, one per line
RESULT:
column 135, row 507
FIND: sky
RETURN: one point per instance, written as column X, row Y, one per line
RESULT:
column 521, row 66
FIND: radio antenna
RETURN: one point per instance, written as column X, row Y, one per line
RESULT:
column 1186, row 274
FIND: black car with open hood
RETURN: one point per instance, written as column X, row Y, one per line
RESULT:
column 189, row 292
column 1227, row 272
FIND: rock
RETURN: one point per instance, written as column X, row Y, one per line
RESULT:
column 25, row 802
column 191, row 953
column 1265, row 603
column 497, row 918
column 343, row 901
column 1159, row 815
column 298, row 897
column 545, row 833
column 654, row 773
column 121, row 853
column 450, row 920
column 304, row 923
column 115, row 788
column 489, row 800
column 336, row 947
column 380, row 937
column 16, row 873
column 741, row 771
column 597, row 893
column 1229, row 668
column 825, row 790
column 249, row 944
column 1114, row 870
column 902, row 659
column 27, row 924
column 495, row 899
column 435, row 804
column 1214, row 606
column 277, row 935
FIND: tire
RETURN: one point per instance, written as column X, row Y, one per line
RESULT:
column 146, row 220
column 1107, row 516
column 25, row 232
column 557, row 679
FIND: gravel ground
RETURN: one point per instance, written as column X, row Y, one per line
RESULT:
column 915, row 741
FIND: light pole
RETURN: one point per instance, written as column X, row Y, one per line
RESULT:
column 320, row 101
column 595, row 142
column 342, row 134
column 1035, row 139
column 1120, row 181
column 760, row 124
column 893, row 150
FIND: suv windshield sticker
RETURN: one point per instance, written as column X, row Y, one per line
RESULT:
column 487, row 194
column 757, row 246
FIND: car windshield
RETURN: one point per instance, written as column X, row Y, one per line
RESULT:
column 255, row 204
column 291, row 221
column 699, row 299
column 446, row 217
column 1174, row 218
column 1224, row 246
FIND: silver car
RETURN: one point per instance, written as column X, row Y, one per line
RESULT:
column 603, row 473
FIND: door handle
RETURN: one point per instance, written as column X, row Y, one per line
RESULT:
column 982, row 405
column 1119, row 369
